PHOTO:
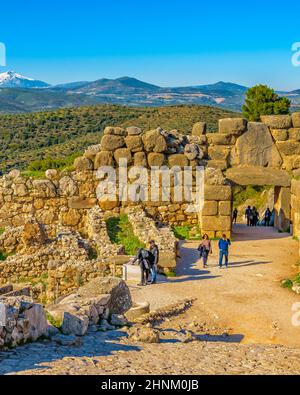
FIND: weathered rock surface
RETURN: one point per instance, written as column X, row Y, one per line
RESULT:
column 277, row 121
column 234, row 126
column 247, row 175
column 256, row 148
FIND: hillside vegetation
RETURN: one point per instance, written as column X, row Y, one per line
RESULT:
column 59, row 134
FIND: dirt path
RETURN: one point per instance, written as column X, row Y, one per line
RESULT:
column 242, row 318
column 247, row 297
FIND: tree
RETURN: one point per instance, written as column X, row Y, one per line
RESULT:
column 262, row 100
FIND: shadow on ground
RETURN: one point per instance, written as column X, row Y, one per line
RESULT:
column 39, row 355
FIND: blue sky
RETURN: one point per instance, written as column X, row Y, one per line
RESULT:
column 170, row 43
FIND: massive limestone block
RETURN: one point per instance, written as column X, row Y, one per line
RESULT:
column 83, row 164
column 140, row 159
column 215, row 223
column 38, row 325
column 154, row 141
column 114, row 131
column 112, row 142
column 104, row 158
column 134, row 143
column 256, row 148
column 92, row 151
column 210, row 208
column 234, row 126
column 279, row 134
column 133, row 131
column 156, row 159
column 219, row 152
column 277, row 121
column 221, row 139
column 43, row 189
column 225, row 208
column 214, row 176
column 178, row 160
column 296, row 119
column 120, row 300
column 254, row 175
column 123, row 153
column 67, row 187
column 294, row 134
column 218, row 164
column 217, row 192
column 199, row 129
column 289, row 147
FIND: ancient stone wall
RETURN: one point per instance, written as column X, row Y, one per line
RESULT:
column 46, row 219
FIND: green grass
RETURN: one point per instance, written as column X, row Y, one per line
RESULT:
column 120, row 232
column 288, row 283
column 3, row 256
column 2, row 230
column 56, row 323
column 185, row 233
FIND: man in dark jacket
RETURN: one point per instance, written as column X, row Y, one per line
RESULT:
column 142, row 257
column 155, row 252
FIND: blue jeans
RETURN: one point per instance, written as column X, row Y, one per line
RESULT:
column 153, row 273
column 223, row 253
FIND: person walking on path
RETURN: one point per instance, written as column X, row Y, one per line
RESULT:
column 268, row 216
column 248, row 215
column 205, row 248
column 155, row 252
column 142, row 257
column 255, row 216
column 234, row 216
column 224, row 245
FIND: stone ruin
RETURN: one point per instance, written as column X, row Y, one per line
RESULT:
column 101, row 304
column 55, row 232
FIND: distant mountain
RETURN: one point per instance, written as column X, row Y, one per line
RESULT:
column 119, row 86
column 11, row 79
column 23, row 94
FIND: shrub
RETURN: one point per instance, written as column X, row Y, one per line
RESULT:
column 120, row 232
column 262, row 100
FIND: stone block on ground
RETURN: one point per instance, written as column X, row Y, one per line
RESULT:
column 120, row 300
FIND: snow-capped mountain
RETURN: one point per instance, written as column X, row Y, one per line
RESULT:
column 10, row 79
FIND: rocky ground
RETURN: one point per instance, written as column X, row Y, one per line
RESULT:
column 239, row 321
column 185, row 348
